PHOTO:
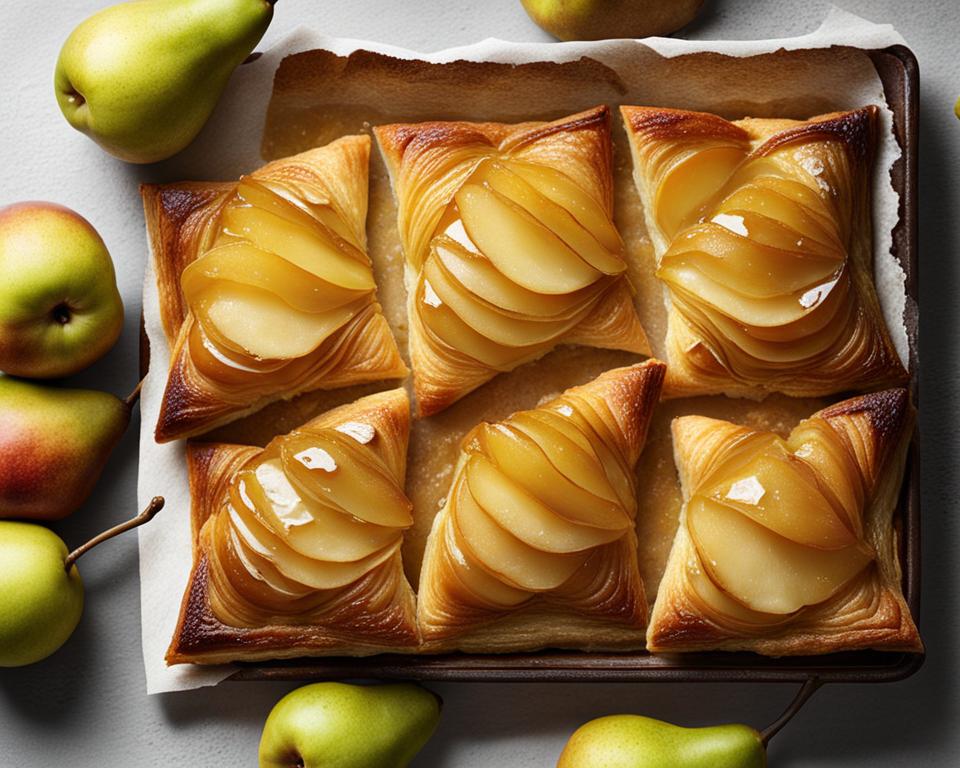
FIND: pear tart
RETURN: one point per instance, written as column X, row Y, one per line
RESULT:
column 787, row 546
column 536, row 545
column 762, row 234
column 266, row 288
column 297, row 548
column 510, row 247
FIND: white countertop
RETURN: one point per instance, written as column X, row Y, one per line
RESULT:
column 86, row 705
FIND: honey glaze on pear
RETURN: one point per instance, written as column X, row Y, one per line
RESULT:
column 309, row 522
column 777, row 527
column 519, row 257
column 283, row 292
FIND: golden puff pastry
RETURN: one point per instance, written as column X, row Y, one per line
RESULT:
column 297, row 545
column 535, row 546
column 787, row 546
column 266, row 290
column 510, row 247
column 762, row 232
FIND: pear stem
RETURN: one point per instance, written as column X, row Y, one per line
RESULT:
column 155, row 505
column 131, row 399
column 806, row 691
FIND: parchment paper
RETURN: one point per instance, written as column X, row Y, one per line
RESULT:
column 762, row 81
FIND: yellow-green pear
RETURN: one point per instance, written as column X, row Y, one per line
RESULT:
column 59, row 305
column 54, row 443
column 633, row 741
column 335, row 725
column 601, row 19
column 141, row 78
column 41, row 595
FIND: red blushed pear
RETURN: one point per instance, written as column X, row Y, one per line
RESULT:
column 54, row 443
column 41, row 595
column 59, row 305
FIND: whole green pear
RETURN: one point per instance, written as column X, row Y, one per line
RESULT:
column 40, row 602
column 335, row 725
column 54, row 443
column 601, row 19
column 141, row 78
column 41, row 595
column 633, row 741
column 59, row 305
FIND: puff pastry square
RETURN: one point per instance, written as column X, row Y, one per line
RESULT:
column 762, row 233
column 510, row 247
column 535, row 546
column 297, row 545
column 266, row 290
column 788, row 546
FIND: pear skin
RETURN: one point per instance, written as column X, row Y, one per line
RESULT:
column 633, row 741
column 141, row 78
column 40, row 601
column 54, row 443
column 601, row 19
column 335, row 725
column 59, row 305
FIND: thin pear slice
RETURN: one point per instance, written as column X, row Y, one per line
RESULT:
column 481, row 586
column 774, row 490
column 310, row 248
column 451, row 331
column 265, row 326
column 723, row 605
column 520, row 459
column 692, row 183
column 327, row 467
column 568, row 414
column 561, row 189
column 576, row 463
column 763, row 570
column 261, row 569
column 496, row 326
column 512, row 508
column 316, row 574
column 311, row 528
column 241, row 262
column 503, row 554
column 519, row 246
column 478, row 275
column 839, row 479
column 556, row 218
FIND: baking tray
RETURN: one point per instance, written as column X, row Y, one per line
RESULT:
column 898, row 71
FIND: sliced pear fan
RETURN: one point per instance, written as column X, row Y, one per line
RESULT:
column 778, row 491
column 763, row 570
column 486, row 588
column 242, row 263
column 504, row 555
column 518, row 245
column 313, row 529
column 264, row 326
column 310, row 248
column 554, row 217
column 556, row 186
column 523, row 515
column 520, row 459
column 330, row 470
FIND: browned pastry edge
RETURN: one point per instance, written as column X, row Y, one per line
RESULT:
column 631, row 394
column 878, row 428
